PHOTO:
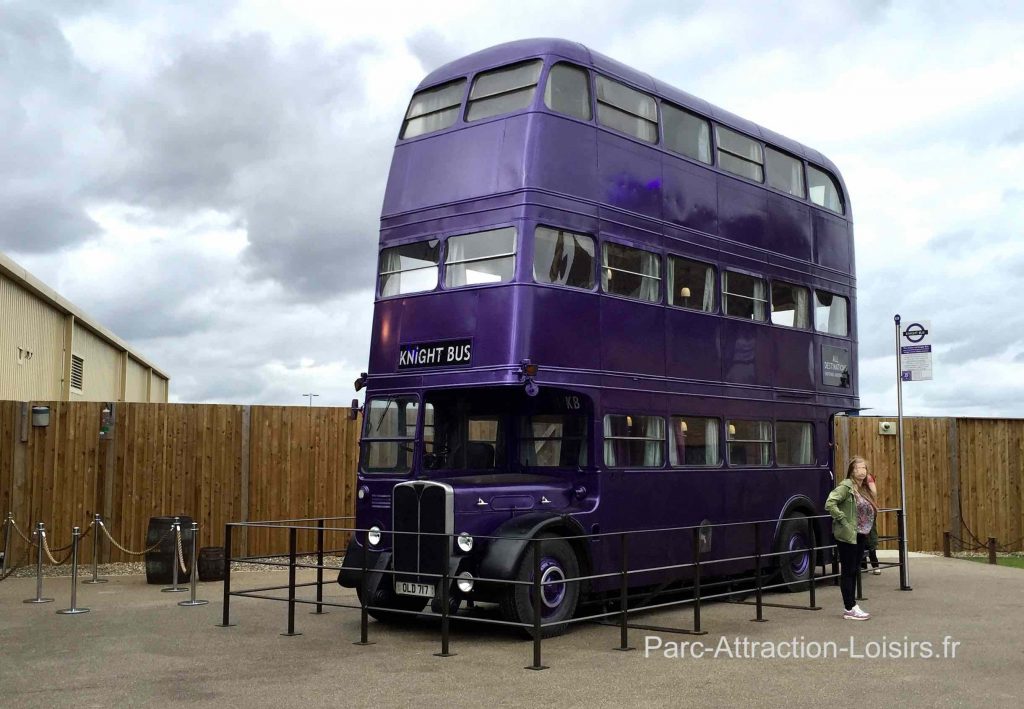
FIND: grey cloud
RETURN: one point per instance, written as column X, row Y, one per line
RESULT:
column 432, row 49
column 40, row 223
column 274, row 137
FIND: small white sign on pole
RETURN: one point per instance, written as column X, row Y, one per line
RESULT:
column 916, row 351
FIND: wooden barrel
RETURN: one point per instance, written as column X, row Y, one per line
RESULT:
column 211, row 564
column 160, row 561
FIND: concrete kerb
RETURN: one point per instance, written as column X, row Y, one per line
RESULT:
column 149, row 653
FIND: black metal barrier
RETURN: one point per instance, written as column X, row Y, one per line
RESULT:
column 695, row 571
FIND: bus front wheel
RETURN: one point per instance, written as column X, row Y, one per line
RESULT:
column 559, row 594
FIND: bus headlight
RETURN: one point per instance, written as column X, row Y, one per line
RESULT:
column 465, row 543
column 465, row 582
column 373, row 536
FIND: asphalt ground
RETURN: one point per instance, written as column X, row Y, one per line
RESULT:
column 137, row 647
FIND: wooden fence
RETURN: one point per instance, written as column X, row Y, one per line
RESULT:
column 234, row 463
column 216, row 464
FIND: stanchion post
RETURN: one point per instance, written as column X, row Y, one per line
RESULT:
column 226, row 611
column 537, row 605
column 992, row 551
column 40, row 535
column 194, row 576
column 292, row 554
column 319, row 568
column 7, row 544
column 813, row 560
column 947, row 549
column 176, row 533
column 97, row 523
column 901, row 526
column 696, row 583
column 76, row 534
column 759, row 618
column 445, row 591
column 364, row 597
column 624, row 596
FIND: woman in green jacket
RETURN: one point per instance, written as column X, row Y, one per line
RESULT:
column 852, row 507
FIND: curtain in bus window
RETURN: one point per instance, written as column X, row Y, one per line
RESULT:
column 632, row 273
column 837, row 316
column 390, row 270
column 760, row 299
column 806, row 449
column 801, row 320
column 711, row 455
column 654, row 430
column 709, row 290
column 650, row 288
column 610, row 459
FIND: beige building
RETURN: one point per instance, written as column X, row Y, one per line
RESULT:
column 51, row 351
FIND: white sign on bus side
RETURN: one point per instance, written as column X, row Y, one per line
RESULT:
column 916, row 351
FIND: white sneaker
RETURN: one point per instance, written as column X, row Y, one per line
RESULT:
column 856, row 613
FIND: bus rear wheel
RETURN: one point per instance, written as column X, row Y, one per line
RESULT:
column 559, row 595
column 794, row 548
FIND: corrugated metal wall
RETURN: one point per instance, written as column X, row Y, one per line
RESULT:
column 31, row 345
column 101, row 379
column 138, row 374
column 158, row 394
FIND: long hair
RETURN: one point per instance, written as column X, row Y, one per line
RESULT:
column 862, row 489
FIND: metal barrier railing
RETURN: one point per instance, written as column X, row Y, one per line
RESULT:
column 693, row 571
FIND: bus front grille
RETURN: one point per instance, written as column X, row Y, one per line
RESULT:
column 425, row 508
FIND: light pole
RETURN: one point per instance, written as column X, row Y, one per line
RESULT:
column 311, row 398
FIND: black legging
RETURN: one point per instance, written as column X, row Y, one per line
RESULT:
column 849, row 564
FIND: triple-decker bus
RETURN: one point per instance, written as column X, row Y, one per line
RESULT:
column 602, row 304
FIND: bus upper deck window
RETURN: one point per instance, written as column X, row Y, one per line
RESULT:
column 744, row 296
column 691, row 284
column 686, row 133
column 568, row 91
column 830, row 313
column 784, row 172
column 633, row 273
column 483, row 257
column 433, row 109
column 789, row 305
column 410, row 268
column 503, row 90
column 564, row 258
column 627, row 110
column 739, row 154
column 824, row 189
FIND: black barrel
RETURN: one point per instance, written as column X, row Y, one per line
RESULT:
column 211, row 564
column 160, row 561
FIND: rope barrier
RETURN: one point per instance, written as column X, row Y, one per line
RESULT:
column 1006, row 548
column 49, row 554
column 181, row 554
column 21, row 534
column 129, row 551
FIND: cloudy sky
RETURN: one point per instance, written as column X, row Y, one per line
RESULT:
column 205, row 178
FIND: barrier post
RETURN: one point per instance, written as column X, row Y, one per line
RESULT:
column 696, row 582
column 758, row 600
column 537, row 605
column 445, row 591
column 76, row 533
column 813, row 560
column 319, row 568
column 624, row 598
column 97, row 522
column 226, row 611
column 292, row 536
column 176, row 529
column 194, row 576
column 992, row 550
column 901, row 526
column 947, row 550
column 7, row 545
column 364, row 597
column 40, row 535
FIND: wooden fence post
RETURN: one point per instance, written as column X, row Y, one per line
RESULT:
column 955, row 513
column 244, row 482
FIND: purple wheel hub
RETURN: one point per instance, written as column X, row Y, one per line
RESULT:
column 800, row 559
column 553, row 591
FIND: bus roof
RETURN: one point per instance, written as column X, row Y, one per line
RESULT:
column 509, row 52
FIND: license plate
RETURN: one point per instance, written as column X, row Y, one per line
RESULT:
column 414, row 589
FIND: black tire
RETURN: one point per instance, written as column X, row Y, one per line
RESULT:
column 389, row 599
column 557, row 560
column 793, row 544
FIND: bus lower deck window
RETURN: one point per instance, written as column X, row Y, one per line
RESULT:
column 633, row 441
column 693, row 440
column 794, row 442
column 750, row 443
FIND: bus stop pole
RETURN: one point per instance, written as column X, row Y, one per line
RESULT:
column 904, row 567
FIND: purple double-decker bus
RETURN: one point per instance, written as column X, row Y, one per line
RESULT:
column 602, row 304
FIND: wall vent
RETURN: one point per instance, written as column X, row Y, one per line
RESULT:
column 77, row 372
